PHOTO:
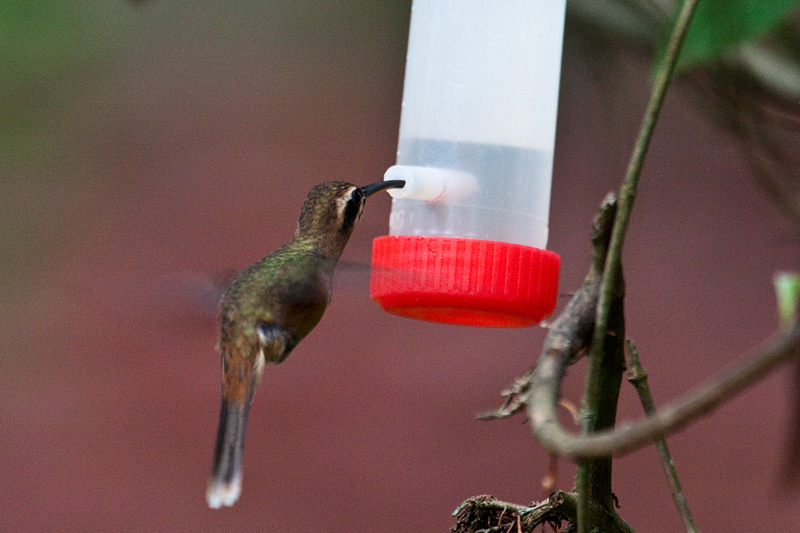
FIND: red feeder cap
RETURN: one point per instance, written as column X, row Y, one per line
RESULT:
column 469, row 282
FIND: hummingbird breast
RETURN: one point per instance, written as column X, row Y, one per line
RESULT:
column 289, row 289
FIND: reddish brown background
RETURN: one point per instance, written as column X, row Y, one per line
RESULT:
column 188, row 145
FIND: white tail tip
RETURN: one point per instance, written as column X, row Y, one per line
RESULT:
column 220, row 493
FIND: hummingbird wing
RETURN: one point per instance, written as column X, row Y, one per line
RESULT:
column 353, row 278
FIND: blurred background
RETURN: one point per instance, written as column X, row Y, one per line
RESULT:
column 146, row 147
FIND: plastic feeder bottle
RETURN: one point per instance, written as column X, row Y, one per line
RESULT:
column 467, row 234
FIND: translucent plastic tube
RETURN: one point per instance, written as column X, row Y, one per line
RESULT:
column 480, row 97
column 477, row 134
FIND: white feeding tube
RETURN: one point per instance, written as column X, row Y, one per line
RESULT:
column 431, row 184
column 477, row 130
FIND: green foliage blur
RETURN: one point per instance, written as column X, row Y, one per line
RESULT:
column 48, row 53
column 45, row 48
column 719, row 26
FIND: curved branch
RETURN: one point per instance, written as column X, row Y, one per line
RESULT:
column 629, row 437
column 552, row 364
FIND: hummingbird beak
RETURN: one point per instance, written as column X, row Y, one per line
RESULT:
column 369, row 190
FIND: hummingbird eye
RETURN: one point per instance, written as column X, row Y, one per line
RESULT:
column 352, row 208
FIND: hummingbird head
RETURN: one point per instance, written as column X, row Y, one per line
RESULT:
column 331, row 211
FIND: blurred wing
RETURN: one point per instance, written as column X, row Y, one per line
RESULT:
column 352, row 278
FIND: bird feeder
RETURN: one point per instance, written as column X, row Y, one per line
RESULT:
column 468, row 233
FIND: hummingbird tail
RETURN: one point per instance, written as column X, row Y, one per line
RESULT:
column 225, row 483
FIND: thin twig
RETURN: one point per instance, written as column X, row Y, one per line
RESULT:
column 638, row 378
column 629, row 437
column 629, row 187
column 612, row 273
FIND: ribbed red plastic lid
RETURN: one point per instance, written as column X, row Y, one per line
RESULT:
column 464, row 281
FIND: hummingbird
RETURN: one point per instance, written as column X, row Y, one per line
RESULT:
column 270, row 307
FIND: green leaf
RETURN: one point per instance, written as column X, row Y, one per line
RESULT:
column 720, row 26
column 787, row 290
